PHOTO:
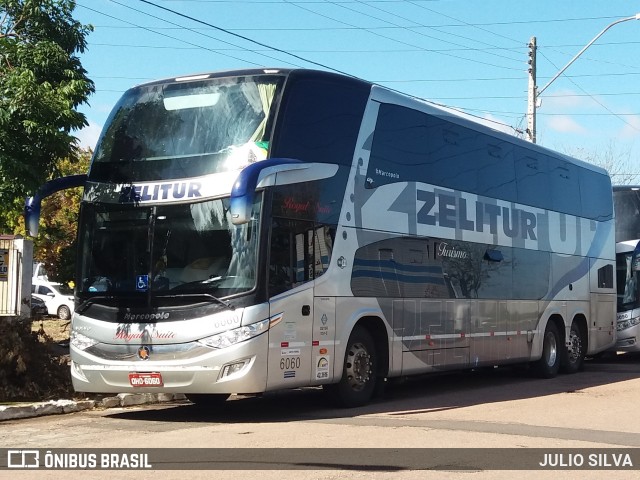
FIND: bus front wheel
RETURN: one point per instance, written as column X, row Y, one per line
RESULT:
column 358, row 381
column 549, row 363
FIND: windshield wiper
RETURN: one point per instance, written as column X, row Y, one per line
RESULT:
column 96, row 298
column 91, row 300
column 206, row 295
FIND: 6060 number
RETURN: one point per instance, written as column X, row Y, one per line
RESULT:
column 289, row 363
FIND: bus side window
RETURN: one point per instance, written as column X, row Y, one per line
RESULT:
column 281, row 272
column 292, row 256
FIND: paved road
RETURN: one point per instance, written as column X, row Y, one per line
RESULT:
column 502, row 408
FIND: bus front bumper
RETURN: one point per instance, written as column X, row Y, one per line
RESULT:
column 625, row 343
column 241, row 368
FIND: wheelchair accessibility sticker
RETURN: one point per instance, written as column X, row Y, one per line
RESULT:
column 142, row 283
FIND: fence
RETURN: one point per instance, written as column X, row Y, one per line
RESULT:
column 16, row 256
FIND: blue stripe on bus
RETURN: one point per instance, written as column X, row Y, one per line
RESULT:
column 360, row 262
column 377, row 274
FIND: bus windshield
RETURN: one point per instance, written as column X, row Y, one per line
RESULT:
column 186, row 129
column 627, row 207
column 166, row 249
column 628, row 281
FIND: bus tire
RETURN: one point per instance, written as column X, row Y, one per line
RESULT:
column 358, row 382
column 207, row 400
column 549, row 363
column 572, row 357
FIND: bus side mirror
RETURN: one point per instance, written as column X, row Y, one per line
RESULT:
column 271, row 172
column 244, row 188
column 32, row 204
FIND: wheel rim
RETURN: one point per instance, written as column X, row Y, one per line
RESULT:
column 64, row 313
column 575, row 347
column 552, row 351
column 358, row 367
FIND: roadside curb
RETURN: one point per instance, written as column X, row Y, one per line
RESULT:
column 57, row 407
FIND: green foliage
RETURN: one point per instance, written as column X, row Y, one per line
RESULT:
column 42, row 82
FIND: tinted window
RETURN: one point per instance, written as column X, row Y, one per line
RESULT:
column 531, row 274
column 300, row 251
column 565, row 186
column 407, row 267
column 319, row 119
column 409, row 145
column 596, row 197
column 318, row 201
column 532, row 179
column 495, row 171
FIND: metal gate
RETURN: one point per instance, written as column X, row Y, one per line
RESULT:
column 15, row 276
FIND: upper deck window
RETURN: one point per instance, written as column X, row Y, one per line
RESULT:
column 186, row 129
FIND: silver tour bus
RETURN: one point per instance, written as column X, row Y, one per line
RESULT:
column 255, row 230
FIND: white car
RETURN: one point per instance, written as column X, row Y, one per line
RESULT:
column 57, row 297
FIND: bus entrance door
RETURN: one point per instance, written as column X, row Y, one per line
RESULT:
column 290, row 338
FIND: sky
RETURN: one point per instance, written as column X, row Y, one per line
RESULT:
column 471, row 55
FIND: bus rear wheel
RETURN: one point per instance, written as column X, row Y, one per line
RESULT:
column 549, row 363
column 358, row 382
column 572, row 359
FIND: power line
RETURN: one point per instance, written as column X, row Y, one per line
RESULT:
column 402, row 42
column 259, row 28
column 283, row 51
column 494, row 79
column 175, row 12
column 199, row 33
column 409, row 80
column 512, row 97
column 165, row 35
column 415, row 2
column 446, row 33
column 465, row 23
column 286, row 52
column 622, row 119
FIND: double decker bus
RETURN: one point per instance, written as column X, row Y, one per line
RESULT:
column 248, row 231
column 626, row 200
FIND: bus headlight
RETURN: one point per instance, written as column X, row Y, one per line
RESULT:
column 237, row 335
column 80, row 341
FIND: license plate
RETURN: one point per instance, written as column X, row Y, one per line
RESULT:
column 145, row 379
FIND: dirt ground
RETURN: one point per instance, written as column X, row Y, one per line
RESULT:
column 55, row 329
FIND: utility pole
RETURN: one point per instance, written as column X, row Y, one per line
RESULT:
column 533, row 92
column 532, row 97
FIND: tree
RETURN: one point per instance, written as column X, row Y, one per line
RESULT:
column 42, row 82
column 618, row 163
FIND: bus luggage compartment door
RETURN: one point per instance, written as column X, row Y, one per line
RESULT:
column 435, row 335
column 602, row 333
